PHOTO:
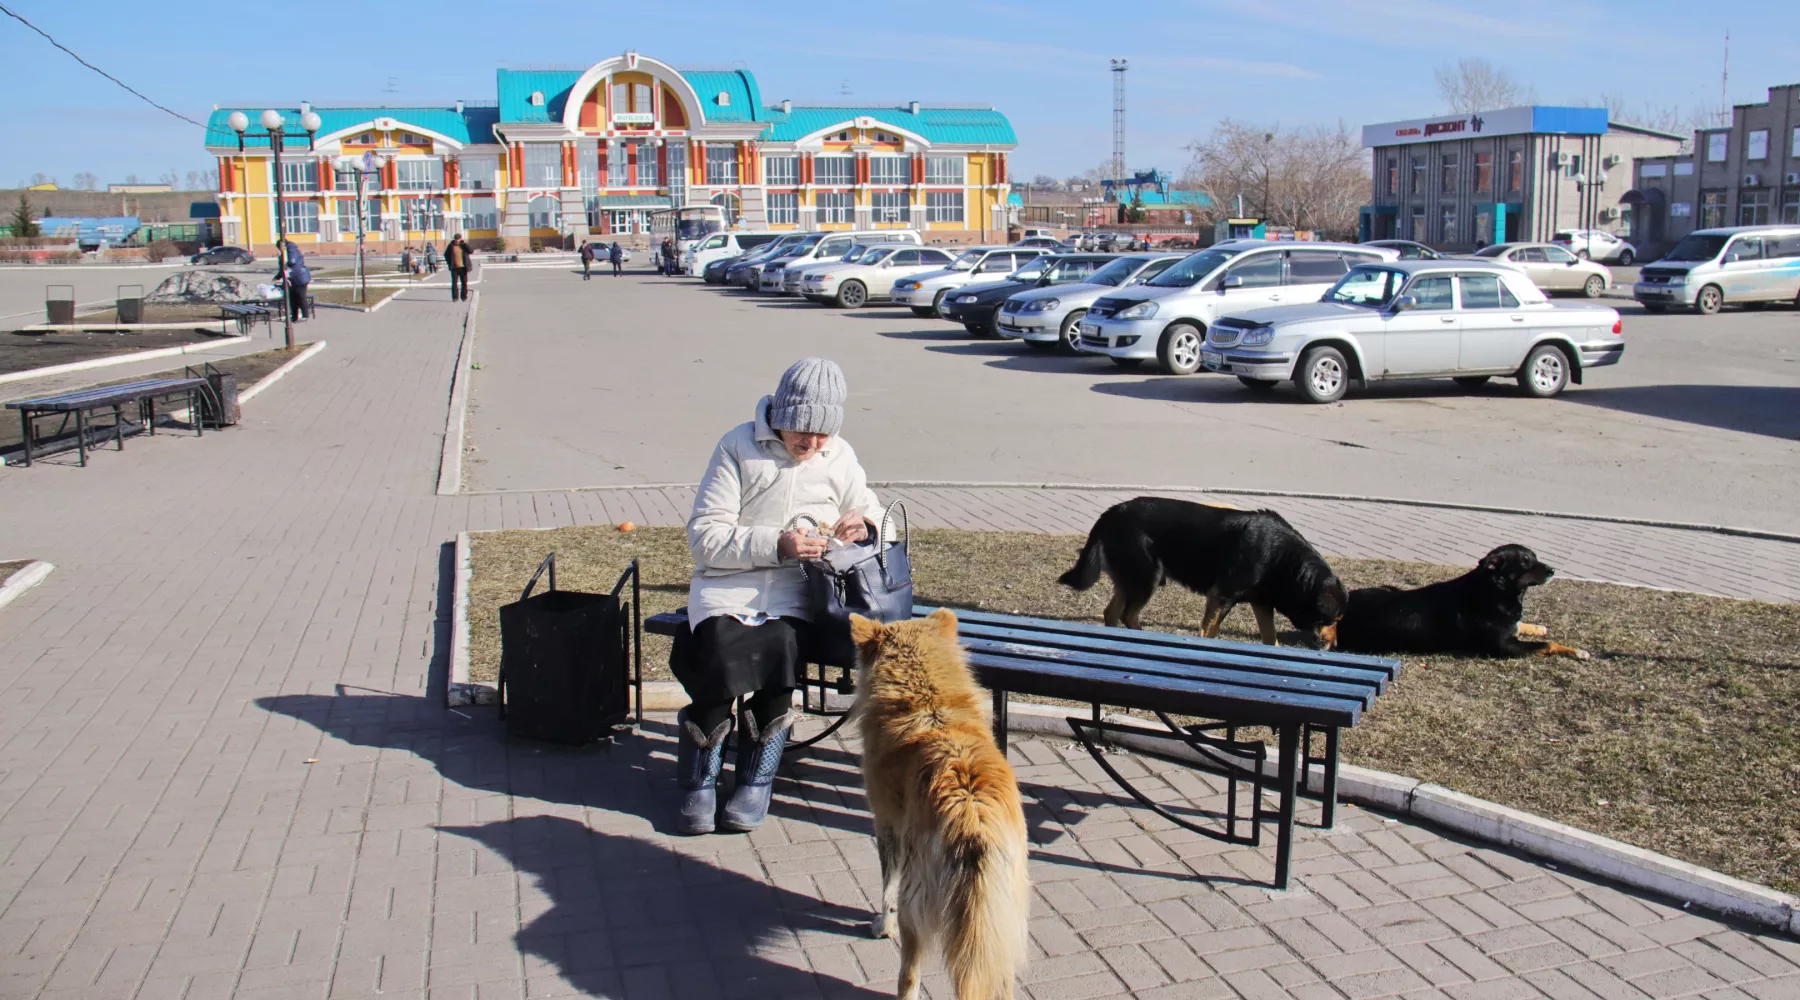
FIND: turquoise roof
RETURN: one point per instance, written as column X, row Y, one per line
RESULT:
column 517, row 86
column 1153, row 197
column 633, row 201
column 746, row 98
column 471, row 125
column 974, row 126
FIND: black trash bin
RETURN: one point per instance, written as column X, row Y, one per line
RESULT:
column 220, row 406
column 566, row 660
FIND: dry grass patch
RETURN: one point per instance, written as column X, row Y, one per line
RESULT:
column 345, row 295
column 1679, row 736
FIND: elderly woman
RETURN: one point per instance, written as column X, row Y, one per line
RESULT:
column 747, row 601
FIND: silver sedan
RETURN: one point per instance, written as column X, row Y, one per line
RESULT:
column 1552, row 268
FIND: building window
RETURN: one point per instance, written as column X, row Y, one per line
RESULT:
column 1447, row 180
column 1515, row 171
column 781, row 170
column 1393, row 175
column 1418, row 234
column 1753, row 208
column 834, row 170
column 1447, row 224
column 1715, row 147
column 1794, row 148
column 891, row 206
column 422, row 214
column 889, row 170
column 632, row 98
column 678, row 172
column 1573, row 168
column 721, row 163
column 477, row 174
column 835, row 206
column 1790, row 207
column 1418, row 175
column 543, row 165
column 945, row 170
column 1756, row 144
column 345, row 180
column 1484, row 173
column 1684, row 168
column 944, row 206
column 419, row 175
column 784, row 208
column 1712, row 209
column 480, row 213
column 300, row 175
column 617, row 170
column 732, row 204
column 546, row 212
column 646, row 164
column 300, row 216
column 346, row 213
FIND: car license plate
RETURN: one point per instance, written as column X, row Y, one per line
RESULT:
column 1090, row 330
column 1212, row 359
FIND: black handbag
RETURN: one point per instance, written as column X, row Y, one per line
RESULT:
column 872, row 578
column 565, row 661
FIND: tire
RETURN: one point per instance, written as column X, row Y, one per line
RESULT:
column 1626, row 257
column 1178, row 353
column 1070, row 334
column 1583, row 254
column 1258, row 384
column 1471, row 381
column 1545, row 372
column 1709, row 301
column 924, row 312
column 1322, row 375
column 937, row 303
column 852, row 295
column 1594, row 287
column 1655, row 307
column 1128, row 362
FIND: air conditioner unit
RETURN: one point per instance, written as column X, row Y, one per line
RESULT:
column 1752, row 180
column 1562, row 159
column 1792, row 178
column 1608, row 214
column 1612, row 160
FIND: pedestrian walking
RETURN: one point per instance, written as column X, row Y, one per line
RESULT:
column 297, row 279
column 587, row 260
column 406, row 259
column 668, row 256
column 456, row 258
column 617, row 256
column 430, row 259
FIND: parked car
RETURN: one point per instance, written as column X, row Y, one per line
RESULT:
column 1712, row 268
column 1051, row 317
column 747, row 271
column 1166, row 318
column 223, row 255
column 1458, row 318
column 1050, row 243
column 1407, row 249
column 851, row 283
column 1595, row 244
column 819, row 247
column 924, row 293
column 793, row 274
column 720, row 246
column 977, row 306
column 1034, row 233
column 1552, row 268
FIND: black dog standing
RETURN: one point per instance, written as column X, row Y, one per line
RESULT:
column 1478, row 613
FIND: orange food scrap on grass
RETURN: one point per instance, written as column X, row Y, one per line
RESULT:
column 627, row 526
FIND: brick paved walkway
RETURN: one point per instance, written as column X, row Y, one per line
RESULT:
column 225, row 771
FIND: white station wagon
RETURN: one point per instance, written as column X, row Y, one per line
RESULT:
column 851, row 283
column 1455, row 318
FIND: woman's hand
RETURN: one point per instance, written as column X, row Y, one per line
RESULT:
column 800, row 545
column 850, row 528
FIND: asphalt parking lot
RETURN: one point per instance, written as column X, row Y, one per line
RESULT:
column 632, row 380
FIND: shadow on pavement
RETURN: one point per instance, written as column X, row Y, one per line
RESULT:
column 947, row 333
column 1772, row 411
column 881, row 314
column 633, row 917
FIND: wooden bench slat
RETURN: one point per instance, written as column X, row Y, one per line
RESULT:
column 98, row 396
column 1276, row 685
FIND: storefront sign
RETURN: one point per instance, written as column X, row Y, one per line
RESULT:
column 1507, row 121
column 633, row 118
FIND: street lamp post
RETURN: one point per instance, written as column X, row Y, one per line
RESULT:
column 272, row 124
column 362, row 166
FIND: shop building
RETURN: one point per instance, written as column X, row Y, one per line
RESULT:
column 1745, row 175
column 1458, row 182
column 566, row 154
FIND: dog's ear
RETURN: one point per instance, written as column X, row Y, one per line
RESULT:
column 946, row 622
column 864, row 631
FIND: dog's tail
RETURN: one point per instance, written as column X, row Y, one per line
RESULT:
column 1092, row 561
column 987, row 899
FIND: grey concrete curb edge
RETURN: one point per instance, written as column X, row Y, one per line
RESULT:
column 461, row 690
column 118, row 359
column 28, row 576
column 280, row 373
column 450, row 460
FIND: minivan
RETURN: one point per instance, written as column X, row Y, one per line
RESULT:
column 829, row 246
column 1712, row 268
column 723, row 244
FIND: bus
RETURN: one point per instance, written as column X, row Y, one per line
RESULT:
column 687, row 224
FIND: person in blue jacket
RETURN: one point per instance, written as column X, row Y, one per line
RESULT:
column 297, row 279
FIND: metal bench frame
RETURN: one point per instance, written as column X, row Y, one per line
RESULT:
column 81, row 402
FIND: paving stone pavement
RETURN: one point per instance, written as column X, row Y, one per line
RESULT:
column 226, row 770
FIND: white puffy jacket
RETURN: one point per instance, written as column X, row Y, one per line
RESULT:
column 751, row 492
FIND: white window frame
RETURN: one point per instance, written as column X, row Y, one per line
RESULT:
column 647, row 166
column 834, row 161
column 721, row 163
column 784, row 208
column 834, row 207
column 618, row 169
column 481, row 213
column 407, row 169
column 944, row 206
column 300, row 175
column 422, row 215
column 677, row 180
column 477, row 173
column 299, row 216
column 1756, row 144
column 543, row 165
column 946, row 169
column 551, row 220
column 900, row 174
column 781, row 170
column 1718, row 147
column 893, row 200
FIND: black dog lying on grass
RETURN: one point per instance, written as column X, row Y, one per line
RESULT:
column 1477, row 614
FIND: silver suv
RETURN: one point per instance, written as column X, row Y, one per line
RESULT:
column 1051, row 317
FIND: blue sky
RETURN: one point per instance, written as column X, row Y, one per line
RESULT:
column 1290, row 62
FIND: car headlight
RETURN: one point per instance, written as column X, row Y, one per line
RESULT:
column 1258, row 336
column 1042, row 305
column 1677, row 279
column 1143, row 310
column 910, row 285
column 963, row 300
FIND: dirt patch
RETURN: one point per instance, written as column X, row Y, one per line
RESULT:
column 24, row 351
column 346, row 295
column 157, row 312
column 1678, row 736
column 8, row 568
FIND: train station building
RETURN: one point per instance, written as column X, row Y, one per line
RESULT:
column 565, row 154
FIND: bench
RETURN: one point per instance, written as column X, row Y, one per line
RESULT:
column 81, row 402
column 1303, row 695
column 246, row 315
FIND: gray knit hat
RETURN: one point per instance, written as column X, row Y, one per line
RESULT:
column 810, row 398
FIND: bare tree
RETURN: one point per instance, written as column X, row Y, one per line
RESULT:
column 131, row 178
column 37, row 179
column 86, row 181
column 1670, row 118
column 209, row 179
column 1473, row 84
column 1315, row 177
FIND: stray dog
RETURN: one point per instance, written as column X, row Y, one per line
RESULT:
column 1230, row 555
column 1477, row 613
column 949, row 827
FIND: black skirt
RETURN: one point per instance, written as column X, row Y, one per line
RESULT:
column 724, row 658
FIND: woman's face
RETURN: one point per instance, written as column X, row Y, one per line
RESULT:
column 801, row 445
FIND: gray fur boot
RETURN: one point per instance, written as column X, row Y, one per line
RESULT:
column 758, row 757
column 698, row 756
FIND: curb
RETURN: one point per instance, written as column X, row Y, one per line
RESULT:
column 278, row 374
column 461, row 690
column 205, row 324
column 450, row 459
column 29, row 576
column 120, row 359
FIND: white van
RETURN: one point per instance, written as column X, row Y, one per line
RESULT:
column 829, row 246
column 1712, row 268
column 722, row 244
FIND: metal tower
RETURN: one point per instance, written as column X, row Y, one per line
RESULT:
column 1118, row 158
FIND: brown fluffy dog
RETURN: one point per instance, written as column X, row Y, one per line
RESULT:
column 948, row 824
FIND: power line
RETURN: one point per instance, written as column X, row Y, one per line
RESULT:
column 15, row 15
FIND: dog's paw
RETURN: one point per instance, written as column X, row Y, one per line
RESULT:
column 1582, row 654
column 1528, row 630
column 882, row 926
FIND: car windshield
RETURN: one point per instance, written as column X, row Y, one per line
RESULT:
column 876, row 255
column 804, row 245
column 1192, row 269
column 1032, row 271
column 1115, row 273
column 855, row 254
column 1697, row 247
column 967, row 260
column 1366, row 286
column 1493, row 251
